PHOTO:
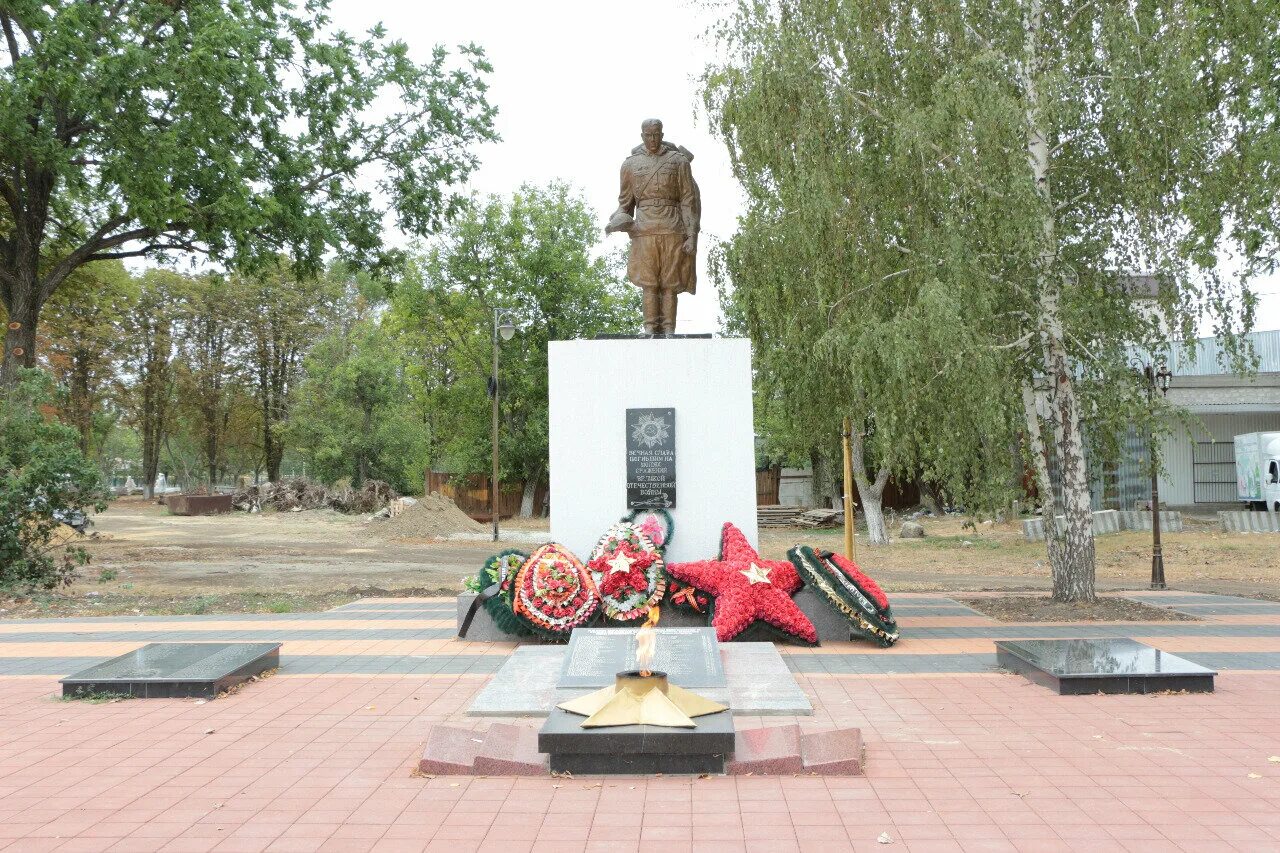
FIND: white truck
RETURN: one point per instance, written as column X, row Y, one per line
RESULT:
column 1258, row 469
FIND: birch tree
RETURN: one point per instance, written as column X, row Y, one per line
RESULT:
column 998, row 171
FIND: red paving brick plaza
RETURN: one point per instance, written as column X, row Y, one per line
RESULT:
column 959, row 756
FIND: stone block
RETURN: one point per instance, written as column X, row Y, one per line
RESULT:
column 831, row 624
column 483, row 629
column 450, row 751
column 833, row 753
column 636, row 749
column 772, row 750
column 706, row 381
column 510, row 751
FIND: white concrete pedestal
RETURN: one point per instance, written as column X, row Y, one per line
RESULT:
column 707, row 382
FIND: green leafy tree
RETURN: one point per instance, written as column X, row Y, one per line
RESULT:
column 151, row 332
column 43, row 478
column 238, row 130
column 533, row 257
column 209, row 365
column 986, row 175
column 85, row 345
column 281, row 315
column 354, row 416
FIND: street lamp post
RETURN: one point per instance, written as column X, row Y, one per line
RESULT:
column 502, row 330
column 1156, row 379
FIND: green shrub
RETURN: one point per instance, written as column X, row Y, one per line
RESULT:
column 43, row 478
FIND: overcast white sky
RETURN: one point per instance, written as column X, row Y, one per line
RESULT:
column 572, row 81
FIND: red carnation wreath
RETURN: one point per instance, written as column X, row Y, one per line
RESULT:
column 628, row 571
column 553, row 591
column 748, row 590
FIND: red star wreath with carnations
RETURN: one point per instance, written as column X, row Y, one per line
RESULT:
column 747, row 589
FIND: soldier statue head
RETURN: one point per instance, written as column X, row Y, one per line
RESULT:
column 651, row 134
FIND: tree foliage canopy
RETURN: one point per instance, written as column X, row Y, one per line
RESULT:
column 946, row 201
column 237, row 129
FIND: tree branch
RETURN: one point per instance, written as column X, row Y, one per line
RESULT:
column 9, row 37
column 96, row 242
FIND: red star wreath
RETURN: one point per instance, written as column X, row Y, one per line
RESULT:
column 748, row 589
column 623, row 569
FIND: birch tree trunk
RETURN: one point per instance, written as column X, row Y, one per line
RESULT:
column 1071, row 551
column 871, row 492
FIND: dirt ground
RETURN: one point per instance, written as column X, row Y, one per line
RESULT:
column 145, row 560
column 1042, row 608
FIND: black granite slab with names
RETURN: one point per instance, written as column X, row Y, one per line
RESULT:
column 689, row 656
column 166, row 670
column 651, row 458
column 1112, row 665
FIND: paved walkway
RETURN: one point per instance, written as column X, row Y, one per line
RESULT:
column 960, row 756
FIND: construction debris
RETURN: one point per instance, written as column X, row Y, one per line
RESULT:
column 777, row 516
column 820, row 518
column 302, row 494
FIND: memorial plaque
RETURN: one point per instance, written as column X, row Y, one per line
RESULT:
column 175, row 670
column 651, row 458
column 1108, row 665
column 689, row 656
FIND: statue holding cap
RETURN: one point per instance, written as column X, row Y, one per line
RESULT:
column 660, row 208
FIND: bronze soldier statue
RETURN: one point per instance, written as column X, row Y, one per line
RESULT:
column 659, row 207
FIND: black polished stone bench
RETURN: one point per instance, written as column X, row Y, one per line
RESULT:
column 169, row 670
column 1119, row 665
column 636, row 749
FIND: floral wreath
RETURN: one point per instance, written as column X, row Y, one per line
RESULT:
column 850, row 592
column 750, row 596
column 628, row 572
column 654, row 523
column 553, row 593
column 501, row 569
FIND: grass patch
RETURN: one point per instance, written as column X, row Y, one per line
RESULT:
column 957, row 542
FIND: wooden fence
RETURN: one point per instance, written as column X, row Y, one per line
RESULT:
column 471, row 494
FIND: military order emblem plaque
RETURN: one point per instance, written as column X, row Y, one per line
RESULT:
column 651, row 458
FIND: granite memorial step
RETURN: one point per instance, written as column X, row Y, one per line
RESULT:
column 175, row 670
column 1108, row 665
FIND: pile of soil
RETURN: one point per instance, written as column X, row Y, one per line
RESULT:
column 1027, row 608
column 433, row 517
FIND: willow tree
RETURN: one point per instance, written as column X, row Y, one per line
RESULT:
column 237, row 130
column 999, row 170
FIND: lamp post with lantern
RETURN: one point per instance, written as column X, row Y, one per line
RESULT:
column 1156, row 378
column 503, row 330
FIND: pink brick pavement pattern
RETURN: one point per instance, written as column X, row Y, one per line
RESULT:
column 972, row 761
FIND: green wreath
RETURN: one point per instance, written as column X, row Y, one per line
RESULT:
column 501, row 569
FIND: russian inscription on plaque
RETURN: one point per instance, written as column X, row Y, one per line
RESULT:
column 651, row 458
column 689, row 656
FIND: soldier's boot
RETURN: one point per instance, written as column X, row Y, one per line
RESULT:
column 668, row 312
column 652, row 312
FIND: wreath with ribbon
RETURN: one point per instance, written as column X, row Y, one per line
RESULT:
column 501, row 569
column 553, row 593
column 844, row 587
column 628, row 572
